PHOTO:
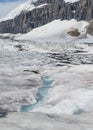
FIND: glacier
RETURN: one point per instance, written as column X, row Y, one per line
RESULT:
column 46, row 77
column 69, row 100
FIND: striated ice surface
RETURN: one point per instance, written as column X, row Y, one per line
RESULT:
column 69, row 102
column 39, row 121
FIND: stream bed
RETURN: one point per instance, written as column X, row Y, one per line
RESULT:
column 41, row 95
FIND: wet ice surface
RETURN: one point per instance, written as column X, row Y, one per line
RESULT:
column 69, row 101
column 41, row 95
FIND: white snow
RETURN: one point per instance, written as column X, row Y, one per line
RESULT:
column 27, row 6
column 71, row 1
column 54, row 30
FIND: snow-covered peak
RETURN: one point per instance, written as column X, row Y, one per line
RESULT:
column 28, row 5
column 71, row 1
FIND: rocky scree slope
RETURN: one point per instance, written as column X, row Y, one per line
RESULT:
column 53, row 9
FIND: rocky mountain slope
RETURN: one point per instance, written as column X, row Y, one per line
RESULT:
column 46, row 11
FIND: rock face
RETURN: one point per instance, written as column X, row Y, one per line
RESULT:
column 54, row 9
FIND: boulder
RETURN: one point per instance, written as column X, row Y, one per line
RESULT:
column 74, row 32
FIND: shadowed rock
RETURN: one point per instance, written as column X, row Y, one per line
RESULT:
column 3, row 112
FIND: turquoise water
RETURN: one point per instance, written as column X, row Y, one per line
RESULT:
column 42, row 95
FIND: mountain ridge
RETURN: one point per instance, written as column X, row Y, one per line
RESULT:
column 53, row 9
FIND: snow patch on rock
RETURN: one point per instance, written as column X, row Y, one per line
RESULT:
column 71, row 1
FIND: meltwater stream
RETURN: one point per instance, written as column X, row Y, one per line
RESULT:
column 42, row 95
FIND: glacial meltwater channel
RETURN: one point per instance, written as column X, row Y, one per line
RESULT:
column 42, row 95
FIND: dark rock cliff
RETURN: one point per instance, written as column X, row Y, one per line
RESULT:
column 55, row 9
